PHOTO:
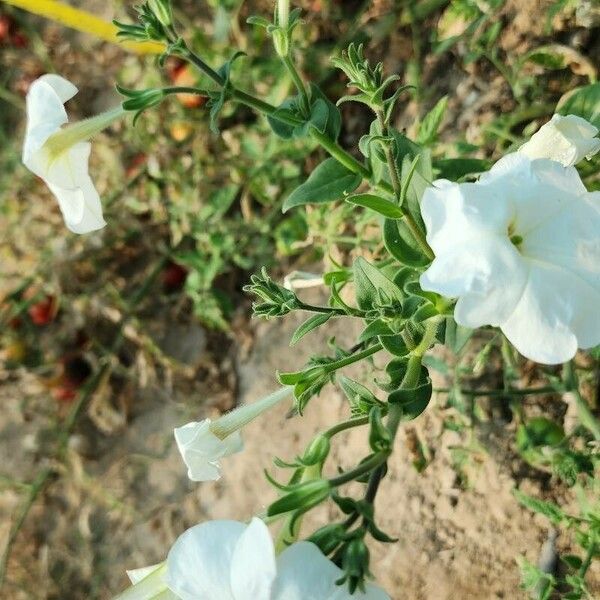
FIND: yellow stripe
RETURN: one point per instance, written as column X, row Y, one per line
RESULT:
column 84, row 22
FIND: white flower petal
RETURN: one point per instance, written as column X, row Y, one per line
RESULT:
column 67, row 174
column 454, row 212
column 540, row 327
column 486, row 273
column 253, row 568
column 78, row 199
column 45, row 115
column 566, row 140
column 201, row 449
column 537, row 276
column 304, row 573
column 199, row 562
column 63, row 88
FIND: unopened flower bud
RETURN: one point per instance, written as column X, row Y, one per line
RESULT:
column 162, row 11
column 301, row 497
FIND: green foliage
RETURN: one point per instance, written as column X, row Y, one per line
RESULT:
column 583, row 102
column 327, row 183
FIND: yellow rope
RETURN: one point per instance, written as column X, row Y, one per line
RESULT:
column 83, row 21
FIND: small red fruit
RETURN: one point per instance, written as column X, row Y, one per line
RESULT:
column 44, row 311
column 173, row 277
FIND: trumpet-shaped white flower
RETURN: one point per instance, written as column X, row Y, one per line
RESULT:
column 202, row 444
column 566, row 140
column 228, row 560
column 520, row 249
column 60, row 155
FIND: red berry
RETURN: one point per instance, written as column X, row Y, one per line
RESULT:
column 173, row 277
column 44, row 311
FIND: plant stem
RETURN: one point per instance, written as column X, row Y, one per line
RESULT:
column 322, row 309
column 411, row 379
column 586, row 417
column 585, row 565
column 183, row 89
column 340, row 154
column 291, row 68
column 344, row 362
column 512, row 392
column 345, row 425
column 330, row 145
column 374, row 461
column 390, row 158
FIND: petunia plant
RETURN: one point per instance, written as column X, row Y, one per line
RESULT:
column 464, row 247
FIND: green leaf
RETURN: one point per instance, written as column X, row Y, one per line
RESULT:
column 456, row 168
column 456, row 336
column 379, row 205
column 308, row 325
column 374, row 329
column 324, row 116
column 548, row 509
column 413, row 400
column 327, row 183
column 583, row 102
column 332, row 124
column 372, row 286
column 394, row 344
column 431, row 123
column 402, row 245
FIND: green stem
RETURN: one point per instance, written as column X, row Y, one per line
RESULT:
column 291, row 68
column 322, row 309
column 345, row 425
column 344, row 362
column 264, row 107
column 331, row 146
column 183, row 89
column 591, row 551
column 512, row 392
column 343, row 157
column 396, row 184
column 586, row 417
column 363, row 468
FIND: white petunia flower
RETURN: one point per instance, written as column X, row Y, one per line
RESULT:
column 228, row 560
column 520, row 249
column 60, row 155
column 566, row 140
column 202, row 444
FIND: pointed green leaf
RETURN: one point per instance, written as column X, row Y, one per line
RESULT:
column 376, row 203
column 327, row 183
column 308, row 325
column 371, row 283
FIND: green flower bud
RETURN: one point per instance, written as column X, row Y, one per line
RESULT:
column 301, row 497
column 317, row 451
column 162, row 11
column 328, row 537
column 142, row 99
